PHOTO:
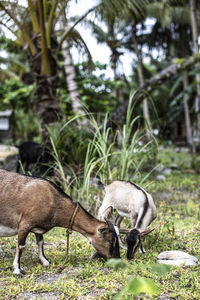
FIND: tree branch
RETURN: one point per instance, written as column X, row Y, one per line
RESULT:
column 67, row 32
column 45, row 61
column 50, row 21
column 33, row 17
column 26, row 37
column 154, row 82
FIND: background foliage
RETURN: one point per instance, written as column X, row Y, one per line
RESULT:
column 93, row 131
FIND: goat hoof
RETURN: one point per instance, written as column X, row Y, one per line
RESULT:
column 95, row 255
column 45, row 263
column 19, row 272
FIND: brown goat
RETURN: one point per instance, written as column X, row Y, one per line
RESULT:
column 29, row 204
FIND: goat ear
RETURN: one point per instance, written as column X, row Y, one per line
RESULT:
column 108, row 214
column 109, row 223
column 102, row 229
column 143, row 233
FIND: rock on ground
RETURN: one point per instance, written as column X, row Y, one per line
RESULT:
column 177, row 258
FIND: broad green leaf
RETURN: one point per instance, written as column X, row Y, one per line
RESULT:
column 117, row 264
column 160, row 269
column 142, row 285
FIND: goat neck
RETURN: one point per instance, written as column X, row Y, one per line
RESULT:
column 100, row 234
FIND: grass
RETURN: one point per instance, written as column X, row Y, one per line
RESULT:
column 176, row 228
column 82, row 155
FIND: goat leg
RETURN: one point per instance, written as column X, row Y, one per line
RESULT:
column 22, row 234
column 40, row 243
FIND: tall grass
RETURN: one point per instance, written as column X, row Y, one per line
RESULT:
column 131, row 147
column 102, row 155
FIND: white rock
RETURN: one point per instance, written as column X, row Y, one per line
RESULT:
column 175, row 254
column 178, row 262
column 174, row 166
column 177, row 258
column 161, row 177
column 159, row 168
column 167, row 171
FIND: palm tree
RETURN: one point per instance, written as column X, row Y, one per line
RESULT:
column 138, row 52
column 172, row 30
column 70, row 73
column 153, row 83
column 193, row 10
column 110, row 36
column 186, row 111
column 114, row 15
column 35, row 27
column 15, row 63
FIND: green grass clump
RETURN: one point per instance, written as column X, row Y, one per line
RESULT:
column 176, row 228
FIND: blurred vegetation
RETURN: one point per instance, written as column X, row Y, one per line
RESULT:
column 176, row 228
column 93, row 137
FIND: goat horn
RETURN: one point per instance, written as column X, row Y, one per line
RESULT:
column 117, row 231
column 110, row 218
column 145, row 232
column 108, row 214
column 119, row 237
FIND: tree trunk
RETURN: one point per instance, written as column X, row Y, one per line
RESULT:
column 77, row 105
column 196, row 51
column 71, row 83
column 141, row 75
column 48, row 104
column 187, row 113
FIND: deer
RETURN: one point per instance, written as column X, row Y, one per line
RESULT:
column 132, row 201
column 36, row 205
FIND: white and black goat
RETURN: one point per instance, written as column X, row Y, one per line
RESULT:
column 29, row 204
column 129, row 200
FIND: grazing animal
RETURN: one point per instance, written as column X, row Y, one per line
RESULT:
column 32, row 153
column 29, row 204
column 130, row 200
